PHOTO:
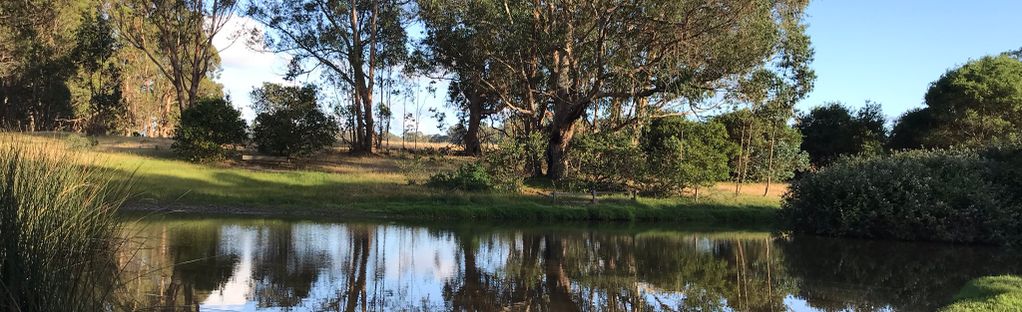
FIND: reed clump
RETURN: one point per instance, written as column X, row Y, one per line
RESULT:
column 58, row 232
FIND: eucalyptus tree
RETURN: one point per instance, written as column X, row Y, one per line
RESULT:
column 555, row 60
column 347, row 40
column 177, row 36
column 456, row 45
column 977, row 103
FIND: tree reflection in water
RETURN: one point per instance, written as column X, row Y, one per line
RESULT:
column 250, row 265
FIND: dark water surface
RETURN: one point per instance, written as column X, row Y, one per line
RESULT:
column 275, row 265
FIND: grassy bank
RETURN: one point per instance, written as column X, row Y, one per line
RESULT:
column 337, row 185
column 992, row 293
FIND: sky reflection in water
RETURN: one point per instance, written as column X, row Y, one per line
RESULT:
column 271, row 265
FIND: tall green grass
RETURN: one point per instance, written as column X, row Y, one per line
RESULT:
column 57, row 230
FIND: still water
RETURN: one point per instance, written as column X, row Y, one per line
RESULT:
column 276, row 265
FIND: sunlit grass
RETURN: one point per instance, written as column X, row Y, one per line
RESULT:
column 337, row 185
column 992, row 293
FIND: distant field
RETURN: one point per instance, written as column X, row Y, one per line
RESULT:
column 335, row 184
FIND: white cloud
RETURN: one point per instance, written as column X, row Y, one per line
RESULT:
column 243, row 67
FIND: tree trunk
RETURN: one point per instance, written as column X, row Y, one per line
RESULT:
column 770, row 160
column 475, row 117
column 557, row 147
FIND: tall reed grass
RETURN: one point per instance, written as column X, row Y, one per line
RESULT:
column 57, row 230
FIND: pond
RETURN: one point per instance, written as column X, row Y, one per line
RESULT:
column 215, row 264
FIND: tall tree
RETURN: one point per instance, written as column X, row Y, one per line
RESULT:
column 177, row 36
column 558, row 59
column 348, row 39
column 977, row 103
column 455, row 43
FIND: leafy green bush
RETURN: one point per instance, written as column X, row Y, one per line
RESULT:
column 944, row 195
column 506, row 164
column 605, row 161
column 468, row 177
column 683, row 153
column 206, row 128
column 293, row 132
column 78, row 141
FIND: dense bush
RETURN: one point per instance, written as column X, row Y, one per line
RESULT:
column 206, row 128
column 605, row 161
column 508, row 163
column 954, row 196
column 293, row 132
column 468, row 177
column 682, row 153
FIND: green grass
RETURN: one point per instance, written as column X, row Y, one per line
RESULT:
column 991, row 293
column 374, row 188
column 57, row 231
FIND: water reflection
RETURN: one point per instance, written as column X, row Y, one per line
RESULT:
column 255, row 265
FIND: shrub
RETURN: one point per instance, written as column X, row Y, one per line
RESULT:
column 944, row 195
column 57, row 230
column 507, row 164
column 468, row 177
column 605, row 161
column 293, row 132
column 206, row 128
column 682, row 153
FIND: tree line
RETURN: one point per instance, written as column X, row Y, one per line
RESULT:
column 974, row 105
column 98, row 66
column 702, row 89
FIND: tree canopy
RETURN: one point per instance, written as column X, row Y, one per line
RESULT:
column 833, row 130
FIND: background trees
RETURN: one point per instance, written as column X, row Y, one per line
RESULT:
column 349, row 40
column 975, row 104
column 177, row 37
column 832, row 131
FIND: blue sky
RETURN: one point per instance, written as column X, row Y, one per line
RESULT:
column 890, row 51
column 884, row 51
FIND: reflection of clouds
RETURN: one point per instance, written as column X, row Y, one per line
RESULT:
column 235, row 293
column 408, row 266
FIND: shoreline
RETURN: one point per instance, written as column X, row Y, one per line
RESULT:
column 615, row 213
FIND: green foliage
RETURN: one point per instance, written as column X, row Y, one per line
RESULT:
column 978, row 103
column 605, row 161
column 507, row 164
column 206, row 128
column 289, row 121
column 57, row 231
column 766, row 148
column 293, row 133
column 272, row 97
column 832, row 131
column 991, row 293
column 912, row 130
column 468, row 177
column 954, row 196
column 682, row 153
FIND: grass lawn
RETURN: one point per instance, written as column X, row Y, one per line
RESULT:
column 338, row 185
column 991, row 293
